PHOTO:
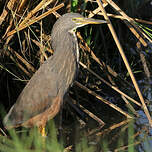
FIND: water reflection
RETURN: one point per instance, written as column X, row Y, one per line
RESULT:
column 118, row 133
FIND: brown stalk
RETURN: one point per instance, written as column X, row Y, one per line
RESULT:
column 143, row 21
column 92, row 115
column 129, row 106
column 131, row 28
column 23, row 60
column 10, row 6
column 125, row 61
column 130, row 20
column 111, row 86
column 124, row 148
column 21, row 27
column 28, row 65
column 101, row 63
column 21, row 6
column 121, row 17
column 96, row 11
column 40, row 45
column 143, row 60
column 113, row 127
column 103, row 100
column 40, row 6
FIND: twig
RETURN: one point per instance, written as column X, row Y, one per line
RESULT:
column 111, row 86
column 126, row 62
column 92, row 115
column 103, row 100
column 143, row 21
column 129, row 106
column 10, row 6
column 21, row 6
column 43, row 46
column 113, row 127
column 130, row 20
column 101, row 63
column 123, row 148
column 34, row 20
column 143, row 60
column 3, row 132
column 40, row 6
column 28, row 65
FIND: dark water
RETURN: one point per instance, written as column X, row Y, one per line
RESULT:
column 118, row 133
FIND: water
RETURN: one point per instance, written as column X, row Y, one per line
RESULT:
column 118, row 133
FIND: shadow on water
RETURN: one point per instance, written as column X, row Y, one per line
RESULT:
column 118, row 133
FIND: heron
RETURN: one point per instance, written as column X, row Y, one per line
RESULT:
column 43, row 95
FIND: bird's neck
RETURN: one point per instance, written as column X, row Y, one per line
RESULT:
column 73, row 32
column 65, row 43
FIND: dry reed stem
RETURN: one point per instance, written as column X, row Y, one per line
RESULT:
column 18, row 64
column 129, row 106
column 125, row 61
column 92, row 115
column 10, row 6
column 3, row 132
column 21, row 6
column 44, row 47
column 130, row 20
column 21, row 27
column 144, row 62
column 75, row 106
column 11, row 22
column 124, row 148
column 8, row 28
column 96, row 11
column 143, row 21
column 40, row 6
column 84, row 110
column 103, row 100
column 113, row 127
column 145, row 66
column 137, row 35
column 93, row 131
column 122, row 18
column 132, row 29
column 111, row 86
column 28, row 65
column 102, row 64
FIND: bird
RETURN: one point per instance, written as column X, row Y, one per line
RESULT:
column 43, row 95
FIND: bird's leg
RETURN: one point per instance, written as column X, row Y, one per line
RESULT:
column 43, row 134
column 42, row 130
column 60, row 122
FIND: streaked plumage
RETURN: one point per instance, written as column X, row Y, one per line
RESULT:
column 41, row 98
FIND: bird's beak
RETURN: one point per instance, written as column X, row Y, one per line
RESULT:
column 85, row 21
column 93, row 21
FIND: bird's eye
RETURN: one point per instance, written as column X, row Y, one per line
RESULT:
column 74, row 19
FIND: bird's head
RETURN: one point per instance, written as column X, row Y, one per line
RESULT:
column 70, row 21
column 79, row 21
column 65, row 25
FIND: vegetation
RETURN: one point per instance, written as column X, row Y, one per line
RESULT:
column 111, row 57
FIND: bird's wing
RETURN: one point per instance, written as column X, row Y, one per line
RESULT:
column 37, row 95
